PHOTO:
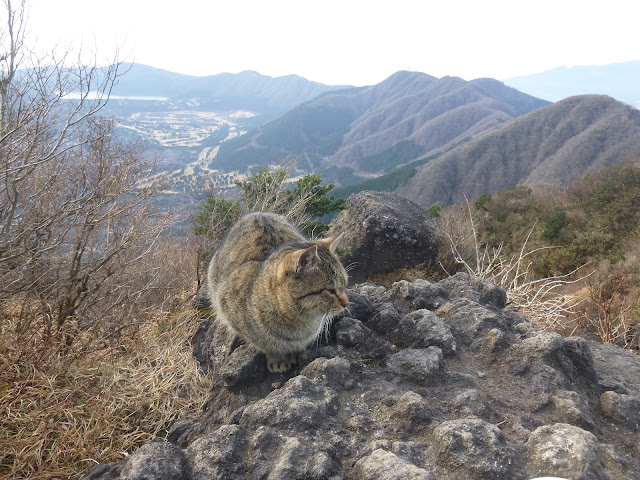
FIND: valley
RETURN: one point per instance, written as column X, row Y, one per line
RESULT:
column 433, row 140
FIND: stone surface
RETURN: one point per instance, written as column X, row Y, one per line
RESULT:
column 476, row 289
column 423, row 328
column 420, row 380
column 574, row 409
column 474, row 448
column 300, row 403
column 411, row 296
column 383, row 465
column 416, row 365
column 382, row 232
column 156, row 460
column 622, row 408
column 567, row 451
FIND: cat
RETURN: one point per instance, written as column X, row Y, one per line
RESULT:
column 274, row 287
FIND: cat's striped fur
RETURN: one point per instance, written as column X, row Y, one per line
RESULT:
column 274, row 287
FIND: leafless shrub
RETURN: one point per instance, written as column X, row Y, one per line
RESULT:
column 608, row 317
column 537, row 298
column 91, row 364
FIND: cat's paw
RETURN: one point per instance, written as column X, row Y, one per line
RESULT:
column 281, row 364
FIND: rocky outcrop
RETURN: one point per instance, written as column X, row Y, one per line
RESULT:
column 423, row 381
column 382, row 232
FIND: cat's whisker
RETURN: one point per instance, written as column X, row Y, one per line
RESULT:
column 351, row 266
column 279, row 317
column 325, row 332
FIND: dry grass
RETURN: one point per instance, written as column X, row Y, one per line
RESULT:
column 61, row 419
column 542, row 300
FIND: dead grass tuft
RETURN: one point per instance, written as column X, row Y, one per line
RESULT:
column 540, row 299
column 61, row 418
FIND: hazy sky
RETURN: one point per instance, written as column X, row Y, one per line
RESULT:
column 347, row 41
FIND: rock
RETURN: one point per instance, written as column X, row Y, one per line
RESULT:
column 607, row 361
column 542, row 344
column 178, row 431
column 385, row 319
column 301, row 403
column 201, row 342
column 360, row 306
column 156, row 460
column 412, row 410
column 334, row 372
column 417, row 294
column 476, row 289
column 353, row 333
column 106, row 471
column 216, row 455
column 416, row 380
column 423, row 328
column 295, row 459
column 622, row 408
column 573, row 408
column 416, row 365
column 493, row 342
column 383, row 465
column 245, row 366
column 383, row 232
column 567, row 451
column 474, row 448
column 576, row 361
column 470, row 403
column 472, row 320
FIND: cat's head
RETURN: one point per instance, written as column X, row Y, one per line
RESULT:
column 314, row 277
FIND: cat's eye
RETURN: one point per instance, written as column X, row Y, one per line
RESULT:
column 332, row 291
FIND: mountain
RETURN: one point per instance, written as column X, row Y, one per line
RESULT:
column 226, row 91
column 554, row 145
column 370, row 130
column 618, row 80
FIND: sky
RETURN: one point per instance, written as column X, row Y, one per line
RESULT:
column 344, row 42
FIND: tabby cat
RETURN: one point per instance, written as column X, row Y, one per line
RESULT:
column 274, row 287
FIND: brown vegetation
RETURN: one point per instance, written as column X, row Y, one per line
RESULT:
column 92, row 363
column 539, row 235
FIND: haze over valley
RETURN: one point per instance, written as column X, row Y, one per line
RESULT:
column 211, row 131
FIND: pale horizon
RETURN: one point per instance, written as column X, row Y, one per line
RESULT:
column 344, row 43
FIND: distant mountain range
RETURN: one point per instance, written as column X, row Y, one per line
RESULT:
column 360, row 132
column 247, row 90
column 618, row 80
column 434, row 140
column 555, row 145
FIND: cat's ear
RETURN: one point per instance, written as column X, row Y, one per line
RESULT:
column 330, row 242
column 298, row 260
column 307, row 257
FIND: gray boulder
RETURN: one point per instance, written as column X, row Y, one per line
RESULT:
column 383, row 465
column 475, row 448
column 156, row 460
column 567, row 451
column 422, row 380
column 383, row 232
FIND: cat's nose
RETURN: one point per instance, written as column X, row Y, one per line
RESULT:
column 344, row 301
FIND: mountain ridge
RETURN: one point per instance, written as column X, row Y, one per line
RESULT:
column 339, row 128
column 248, row 89
column 554, row 145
